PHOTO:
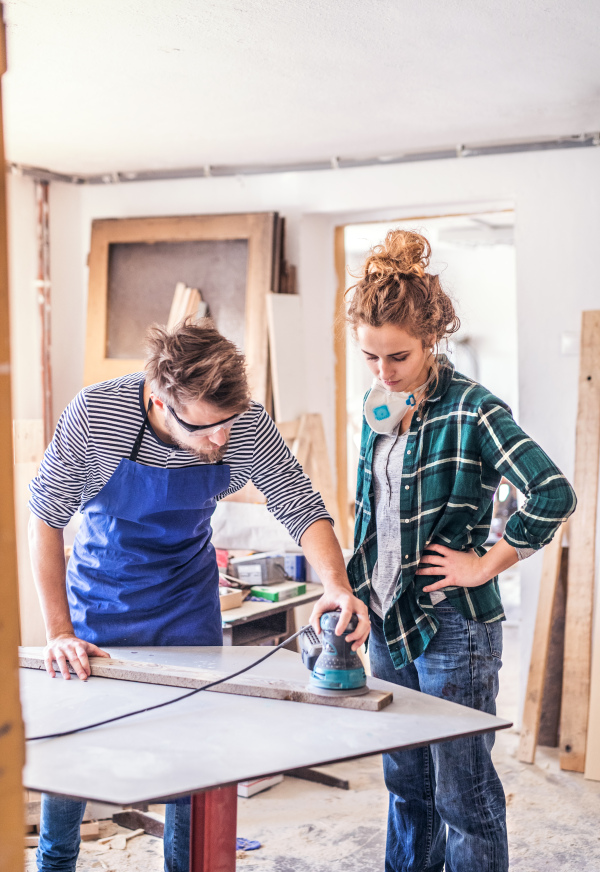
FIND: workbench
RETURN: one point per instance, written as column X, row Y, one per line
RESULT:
column 259, row 623
column 207, row 743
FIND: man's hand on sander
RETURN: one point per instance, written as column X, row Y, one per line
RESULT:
column 66, row 648
column 343, row 599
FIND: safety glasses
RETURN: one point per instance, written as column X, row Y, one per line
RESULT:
column 205, row 429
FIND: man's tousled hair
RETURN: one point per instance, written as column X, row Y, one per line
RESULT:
column 193, row 361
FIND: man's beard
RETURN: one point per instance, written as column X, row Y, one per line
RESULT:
column 205, row 456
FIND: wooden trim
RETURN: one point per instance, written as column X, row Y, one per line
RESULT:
column 582, row 557
column 532, row 711
column 196, row 677
column 12, row 753
column 260, row 231
column 341, row 413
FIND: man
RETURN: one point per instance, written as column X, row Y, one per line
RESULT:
column 144, row 458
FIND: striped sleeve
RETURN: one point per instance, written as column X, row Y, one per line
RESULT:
column 57, row 489
column 279, row 476
column 550, row 499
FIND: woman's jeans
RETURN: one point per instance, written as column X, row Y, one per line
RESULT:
column 59, row 834
column 446, row 801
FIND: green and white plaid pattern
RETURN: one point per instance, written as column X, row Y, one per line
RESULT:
column 461, row 442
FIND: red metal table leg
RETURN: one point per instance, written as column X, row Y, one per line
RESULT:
column 213, row 830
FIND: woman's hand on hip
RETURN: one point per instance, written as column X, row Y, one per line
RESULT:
column 459, row 568
column 68, row 648
column 343, row 599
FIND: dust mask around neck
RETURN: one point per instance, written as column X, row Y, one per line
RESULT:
column 385, row 409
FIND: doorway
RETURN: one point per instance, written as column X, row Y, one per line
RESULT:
column 474, row 254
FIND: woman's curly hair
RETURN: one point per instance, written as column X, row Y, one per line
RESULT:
column 394, row 288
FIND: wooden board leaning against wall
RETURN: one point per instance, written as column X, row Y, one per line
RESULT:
column 11, row 726
column 565, row 617
column 582, row 536
column 123, row 301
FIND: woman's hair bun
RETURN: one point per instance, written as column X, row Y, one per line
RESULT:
column 403, row 252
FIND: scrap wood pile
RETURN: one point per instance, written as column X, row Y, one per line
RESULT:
column 562, row 702
column 100, row 824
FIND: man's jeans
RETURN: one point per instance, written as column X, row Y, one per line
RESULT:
column 449, row 784
column 59, row 834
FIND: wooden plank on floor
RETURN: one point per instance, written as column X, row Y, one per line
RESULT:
column 582, row 537
column 539, row 653
column 191, row 677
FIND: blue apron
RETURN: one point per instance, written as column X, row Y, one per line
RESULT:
column 143, row 570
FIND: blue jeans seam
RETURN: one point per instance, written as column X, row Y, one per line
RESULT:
column 430, row 809
column 475, row 749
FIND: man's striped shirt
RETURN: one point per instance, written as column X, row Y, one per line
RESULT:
column 98, row 429
column 461, row 441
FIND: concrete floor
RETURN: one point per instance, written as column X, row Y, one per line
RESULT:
column 304, row 827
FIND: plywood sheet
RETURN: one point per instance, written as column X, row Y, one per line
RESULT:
column 212, row 739
column 119, row 311
column 142, row 278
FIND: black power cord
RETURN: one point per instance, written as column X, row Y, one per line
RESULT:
column 169, row 701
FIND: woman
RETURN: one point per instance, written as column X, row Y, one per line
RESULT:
column 434, row 447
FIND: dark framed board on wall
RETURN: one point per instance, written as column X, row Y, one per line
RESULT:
column 135, row 264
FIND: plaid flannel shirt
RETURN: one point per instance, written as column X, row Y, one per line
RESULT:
column 461, row 441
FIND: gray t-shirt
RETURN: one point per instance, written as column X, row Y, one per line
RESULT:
column 388, row 460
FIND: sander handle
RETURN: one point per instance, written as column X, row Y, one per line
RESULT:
column 310, row 647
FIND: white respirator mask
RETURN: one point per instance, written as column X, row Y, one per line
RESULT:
column 385, row 409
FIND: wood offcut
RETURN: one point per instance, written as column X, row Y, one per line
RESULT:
column 582, row 539
column 541, row 644
column 193, row 678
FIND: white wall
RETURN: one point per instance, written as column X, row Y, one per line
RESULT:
column 555, row 195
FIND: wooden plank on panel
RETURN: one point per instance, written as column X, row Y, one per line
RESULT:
column 286, row 349
column 11, row 726
column 196, row 677
column 582, row 540
column 539, row 652
column 177, row 306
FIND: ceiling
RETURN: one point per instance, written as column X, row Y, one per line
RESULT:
column 121, row 85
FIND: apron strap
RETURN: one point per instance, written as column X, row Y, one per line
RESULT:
column 138, row 439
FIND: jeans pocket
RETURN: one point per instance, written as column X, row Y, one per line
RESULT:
column 494, row 636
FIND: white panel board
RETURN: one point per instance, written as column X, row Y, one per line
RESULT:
column 286, row 347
